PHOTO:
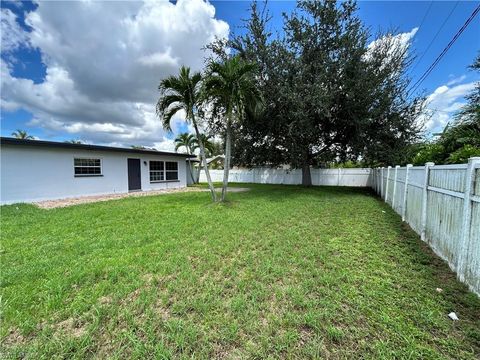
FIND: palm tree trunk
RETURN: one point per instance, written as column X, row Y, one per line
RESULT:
column 226, row 167
column 204, row 158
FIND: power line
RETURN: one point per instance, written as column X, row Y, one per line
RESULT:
column 435, row 37
column 449, row 45
column 425, row 15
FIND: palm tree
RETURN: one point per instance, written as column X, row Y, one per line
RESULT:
column 178, row 93
column 187, row 141
column 230, row 85
column 22, row 134
column 207, row 142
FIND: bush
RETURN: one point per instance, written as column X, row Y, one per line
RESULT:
column 461, row 155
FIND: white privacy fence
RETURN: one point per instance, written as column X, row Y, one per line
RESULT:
column 332, row 177
column 441, row 203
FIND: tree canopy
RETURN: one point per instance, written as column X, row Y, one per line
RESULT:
column 329, row 93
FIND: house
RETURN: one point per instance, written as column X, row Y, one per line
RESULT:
column 216, row 162
column 35, row 170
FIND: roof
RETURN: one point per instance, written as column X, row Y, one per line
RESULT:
column 65, row 145
column 215, row 158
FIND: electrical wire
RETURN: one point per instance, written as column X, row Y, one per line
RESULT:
column 442, row 54
column 435, row 37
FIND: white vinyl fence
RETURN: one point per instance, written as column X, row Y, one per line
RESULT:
column 332, row 177
column 441, row 203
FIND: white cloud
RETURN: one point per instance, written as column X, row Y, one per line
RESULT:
column 103, row 65
column 443, row 103
column 456, row 80
column 13, row 36
column 401, row 41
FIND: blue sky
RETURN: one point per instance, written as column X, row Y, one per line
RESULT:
column 89, row 70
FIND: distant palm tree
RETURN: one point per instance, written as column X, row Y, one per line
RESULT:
column 230, row 85
column 187, row 141
column 178, row 93
column 22, row 134
column 207, row 142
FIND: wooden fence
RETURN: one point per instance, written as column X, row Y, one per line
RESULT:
column 441, row 203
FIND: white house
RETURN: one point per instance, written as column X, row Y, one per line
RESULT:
column 34, row 170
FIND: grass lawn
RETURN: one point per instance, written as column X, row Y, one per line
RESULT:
column 278, row 272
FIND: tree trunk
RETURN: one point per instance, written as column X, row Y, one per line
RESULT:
column 204, row 158
column 306, row 175
column 226, row 162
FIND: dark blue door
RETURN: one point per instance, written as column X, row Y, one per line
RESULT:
column 134, row 177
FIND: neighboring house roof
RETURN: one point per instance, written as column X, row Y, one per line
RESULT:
column 215, row 158
column 64, row 145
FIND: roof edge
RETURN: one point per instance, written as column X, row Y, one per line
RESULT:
column 64, row 145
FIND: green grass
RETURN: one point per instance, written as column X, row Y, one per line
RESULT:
column 278, row 272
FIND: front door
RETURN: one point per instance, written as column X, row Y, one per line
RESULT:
column 134, row 177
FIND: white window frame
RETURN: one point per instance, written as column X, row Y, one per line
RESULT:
column 163, row 172
column 87, row 158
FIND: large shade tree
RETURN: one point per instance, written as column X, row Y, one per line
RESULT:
column 182, row 93
column 330, row 93
column 230, row 88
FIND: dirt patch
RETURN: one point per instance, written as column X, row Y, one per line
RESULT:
column 71, row 328
column 52, row 204
column 13, row 338
column 162, row 311
column 305, row 334
column 105, row 300
column 233, row 189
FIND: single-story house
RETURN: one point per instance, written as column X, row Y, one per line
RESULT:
column 36, row 170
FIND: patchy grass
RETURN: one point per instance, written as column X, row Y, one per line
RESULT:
column 278, row 272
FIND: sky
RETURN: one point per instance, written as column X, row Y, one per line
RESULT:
column 89, row 70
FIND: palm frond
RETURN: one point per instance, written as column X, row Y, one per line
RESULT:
column 168, row 114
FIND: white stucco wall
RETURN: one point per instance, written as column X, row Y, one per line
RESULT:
column 31, row 173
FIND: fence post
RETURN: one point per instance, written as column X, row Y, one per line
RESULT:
column 386, row 186
column 372, row 184
column 381, row 181
column 394, row 186
column 424, row 199
column 405, row 193
column 467, row 214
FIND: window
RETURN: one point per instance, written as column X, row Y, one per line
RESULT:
column 163, row 171
column 156, row 171
column 87, row 167
column 171, row 172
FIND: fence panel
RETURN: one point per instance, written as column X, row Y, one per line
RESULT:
column 327, row 177
column 471, row 272
column 444, row 225
column 442, row 204
column 399, row 191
